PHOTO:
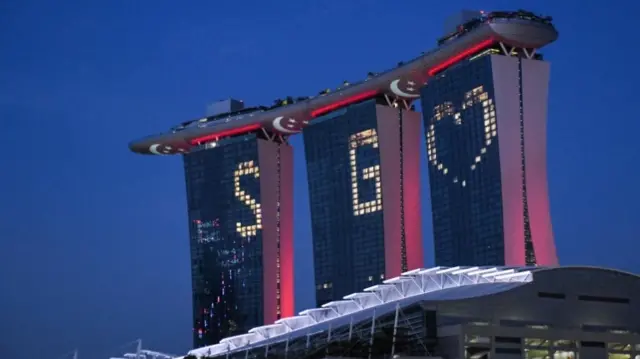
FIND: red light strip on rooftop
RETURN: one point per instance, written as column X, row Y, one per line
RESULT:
column 344, row 102
column 461, row 56
column 231, row 132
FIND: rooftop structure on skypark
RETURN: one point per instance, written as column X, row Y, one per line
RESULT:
column 400, row 85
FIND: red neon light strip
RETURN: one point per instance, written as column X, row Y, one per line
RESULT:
column 459, row 57
column 231, row 132
column 350, row 100
column 344, row 102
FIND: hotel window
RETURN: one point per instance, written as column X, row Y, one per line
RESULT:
column 564, row 343
column 619, row 347
column 477, row 339
column 536, row 343
column 565, row 354
column 479, row 324
column 538, row 326
column 536, row 354
column 619, row 355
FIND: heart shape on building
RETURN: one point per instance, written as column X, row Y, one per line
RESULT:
column 447, row 110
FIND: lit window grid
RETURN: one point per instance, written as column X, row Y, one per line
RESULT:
column 471, row 98
column 366, row 137
column 247, row 168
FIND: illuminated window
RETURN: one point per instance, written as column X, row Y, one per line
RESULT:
column 564, row 343
column 473, row 339
column 536, row 354
column 538, row 326
column 619, row 347
column 616, row 356
column 564, row 354
column 367, row 137
column 533, row 342
column 246, row 169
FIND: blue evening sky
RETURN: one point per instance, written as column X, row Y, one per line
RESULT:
column 93, row 239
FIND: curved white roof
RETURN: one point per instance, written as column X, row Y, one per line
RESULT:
column 439, row 283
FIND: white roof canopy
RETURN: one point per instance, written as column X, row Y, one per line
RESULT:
column 411, row 286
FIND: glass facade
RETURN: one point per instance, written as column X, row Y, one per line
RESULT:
column 464, row 165
column 343, row 166
column 223, row 197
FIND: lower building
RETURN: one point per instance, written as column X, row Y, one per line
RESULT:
column 363, row 165
column 239, row 196
column 462, row 312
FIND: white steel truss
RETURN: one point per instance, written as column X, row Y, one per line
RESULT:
column 274, row 137
column 144, row 354
column 513, row 50
column 398, row 102
column 412, row 284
